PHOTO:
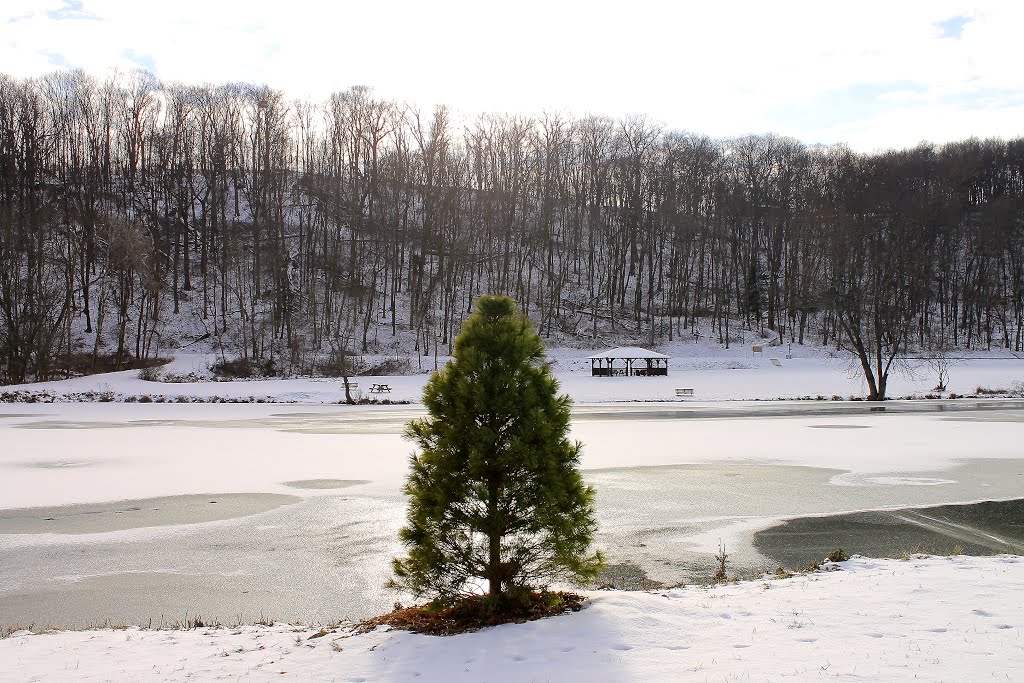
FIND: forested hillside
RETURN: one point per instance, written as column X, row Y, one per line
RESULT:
column 138, row 216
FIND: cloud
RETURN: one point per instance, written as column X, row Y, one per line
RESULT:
column 813, row 70
column 952, row 27
column 69, row 9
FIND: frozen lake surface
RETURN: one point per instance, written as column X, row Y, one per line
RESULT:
column 132, row 513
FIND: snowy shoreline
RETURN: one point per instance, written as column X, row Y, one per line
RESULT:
column 714, row 374
column 936, row 618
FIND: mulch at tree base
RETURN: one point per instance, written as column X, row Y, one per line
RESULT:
column 472, row 614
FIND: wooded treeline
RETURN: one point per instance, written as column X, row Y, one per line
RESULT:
column 136, row 216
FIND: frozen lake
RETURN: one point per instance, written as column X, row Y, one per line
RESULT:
column 131, row 513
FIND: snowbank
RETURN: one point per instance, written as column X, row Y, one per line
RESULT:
column 932, row 618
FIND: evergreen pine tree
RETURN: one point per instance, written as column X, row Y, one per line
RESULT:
column 496, row 500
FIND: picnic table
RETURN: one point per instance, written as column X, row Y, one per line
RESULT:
column 380, row 388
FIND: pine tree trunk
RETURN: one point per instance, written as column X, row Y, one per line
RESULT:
column 493, row 538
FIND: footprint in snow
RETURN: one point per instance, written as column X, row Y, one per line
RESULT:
column 518, row 658
column 678, row 647
column 621, row 646
column 875, row 635
column 739, row 647
column 1004, row 626
column 807, row 640
column 982, row 612
column 570, row 648
column 936, row 630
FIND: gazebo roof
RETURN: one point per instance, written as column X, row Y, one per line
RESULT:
column 628, row 352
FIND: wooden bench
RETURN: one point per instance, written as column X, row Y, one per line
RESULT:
column 684, row 392
column 380, row 388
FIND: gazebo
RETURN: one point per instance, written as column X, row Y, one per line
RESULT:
column 635, row 362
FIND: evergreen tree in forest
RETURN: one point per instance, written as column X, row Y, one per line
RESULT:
column 752, row 299
column 496, row 500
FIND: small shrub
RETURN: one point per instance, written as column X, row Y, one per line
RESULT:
column 145, row 398
column 196, row 622
column 720, row 576
column 82, row 363
column 838, row 555
column 243, row 368
column 26, row 397
column 150, row 373
column 391, row 366
column 175, row 378
column 7, row 631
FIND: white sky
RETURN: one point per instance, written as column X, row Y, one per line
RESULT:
column 869, row 73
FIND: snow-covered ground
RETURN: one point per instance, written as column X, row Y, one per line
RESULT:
column 712, row 372
column 926, row 618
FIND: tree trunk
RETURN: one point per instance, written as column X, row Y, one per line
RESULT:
column 494, row 572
